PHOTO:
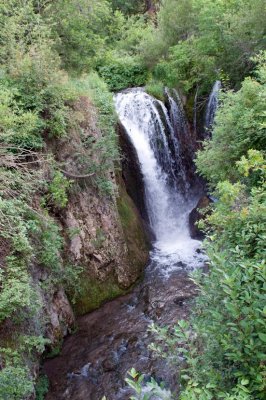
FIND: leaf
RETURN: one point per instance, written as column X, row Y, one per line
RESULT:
column 210, row 386
column 262, row 336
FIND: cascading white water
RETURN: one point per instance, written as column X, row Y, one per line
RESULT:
column 142, row 117
column 212, row 106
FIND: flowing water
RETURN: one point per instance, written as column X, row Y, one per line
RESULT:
column 212, row 106
column 94, row 361
column 168, row 203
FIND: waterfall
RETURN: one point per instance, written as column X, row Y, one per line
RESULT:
column 151, row 132
column 180, row 137
column 212, row 106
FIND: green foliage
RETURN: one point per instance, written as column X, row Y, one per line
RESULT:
column 147, row 391
column 123, row 72
column 31, row 344
column 104, row 149
column 155, row 89
column 42, row 387
column 185, row 68
column 132, row 33
column 239, row 126
column 105, row 186
column 58, row 190
column 18, row 127
column 50, row 245
column 15, row 380
column 34, row 92
column 224, row 345
column 128, row 6
column 194, row 42
column 86, row 29
column 16, row 291
column 15, row 383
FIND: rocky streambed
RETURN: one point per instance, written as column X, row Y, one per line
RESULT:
column 109, row 341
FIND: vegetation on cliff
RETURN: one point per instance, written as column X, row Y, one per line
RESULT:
column 37, row 113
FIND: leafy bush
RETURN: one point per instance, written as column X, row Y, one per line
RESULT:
column 123, row 73
column 16, row 291
column 15, row 383
column 146, row 391
column 155, row 89
column 58, row 190
column 42, row 387
column 127, row 6
column 18, row 128
column 86, row 31
column 15, row 378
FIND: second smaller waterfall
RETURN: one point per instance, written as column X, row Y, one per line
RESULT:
column 212, row 106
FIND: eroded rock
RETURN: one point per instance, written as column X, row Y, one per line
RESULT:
column 196, row 215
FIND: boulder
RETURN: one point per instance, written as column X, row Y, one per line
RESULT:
column 197, row 214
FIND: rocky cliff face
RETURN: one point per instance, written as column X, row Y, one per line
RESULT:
column 103, row 239
column 110, row 246
column 106, row 233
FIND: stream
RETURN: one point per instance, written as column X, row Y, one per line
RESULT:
column 109, row 341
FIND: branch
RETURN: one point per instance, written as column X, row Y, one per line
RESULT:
column 70, row 175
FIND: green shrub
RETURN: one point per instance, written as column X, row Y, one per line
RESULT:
column 58, row 190
column 155, row 89
column 42, row 387
column 19, row 128
column 85, row 30
column 15, row 383
column 16, row 291
column 123, row 73
column 50, row 245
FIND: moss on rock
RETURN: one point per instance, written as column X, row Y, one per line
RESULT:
column 93, row 293
column 135, row 236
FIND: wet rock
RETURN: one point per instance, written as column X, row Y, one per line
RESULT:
column 180, row 300
column 110, row 364
column 61, row 317
column 131, row 172
column 196, row 215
